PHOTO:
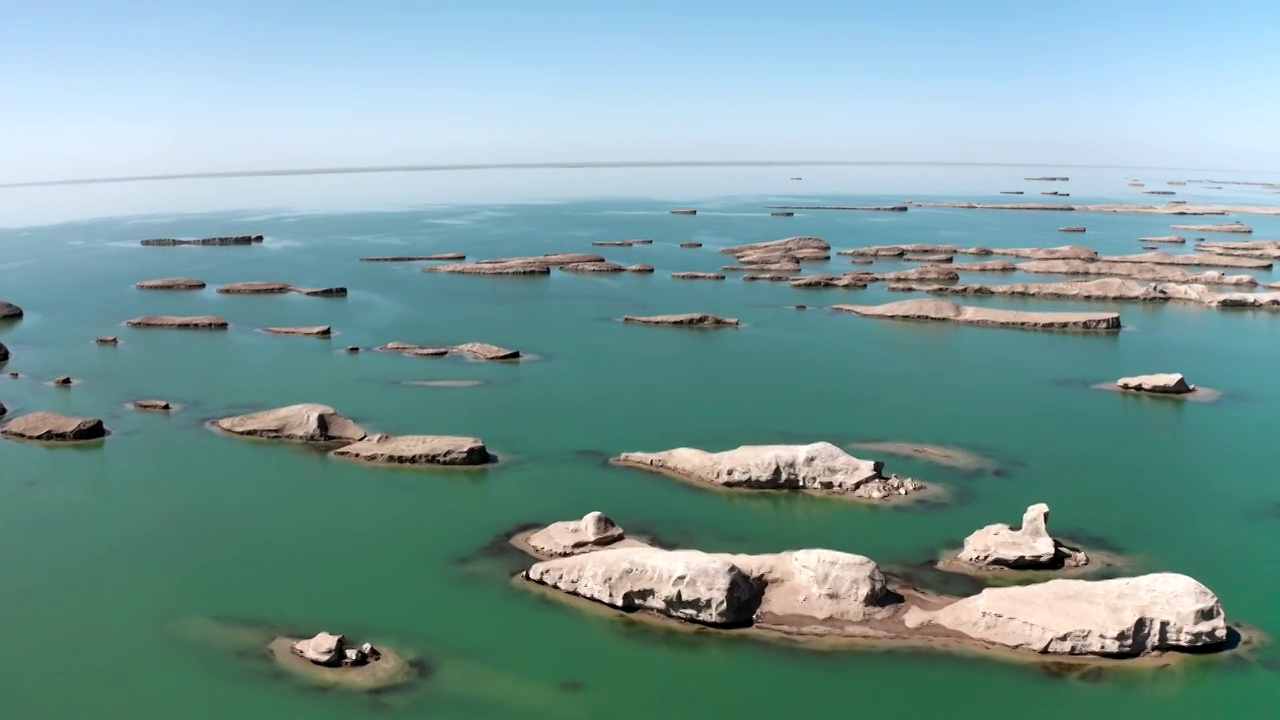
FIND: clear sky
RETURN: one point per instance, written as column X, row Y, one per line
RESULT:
column 138, row 87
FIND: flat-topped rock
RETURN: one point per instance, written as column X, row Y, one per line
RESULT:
column 209, row 241
column 788, row 246
column 485, row 351
column 780, row 267
column 683, row 211
column 1159, row 383
column 683, row 319
column 782, row 213
column 1011, row 192
column 1121, row 617
column 697, row 276
column 795, row 254
column 1030, row 547
column 415, row 258
column 1192, row 259
column 681, row 584
column 945, row 311
column 929, row 273
column 514, row 268
column 417, row 450
column 173, row 283
column 308, row 422
column 336, row 291
column 1072, row 229
column 106, row 340
column 255, row 288
column 622, row 243
column 766, row 277
column 1167, row 239
column 53, row 427
column 847, row 280
column 900, row 250
column 572, row 537
column 1064, row 252
column 593, row 267
column 152, row 405
column 312, row 330
column 1216, row 245
column 1158, row 192
column 868, row 208
column 932, row 259
column 1102, row 289
column 639, row 268
column 415, row 350
column 180, row 322
column 984, row 266
column 817, row 466
column 1231, row 227
column 690, row 244
column 549, row 259
column 1138, row 271
column 1048, row 178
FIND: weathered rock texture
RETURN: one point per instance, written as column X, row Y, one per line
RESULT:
column 1138, row 271
column 697, row 276
column 174, row 283
column 795, row 246
column 154, row 405
column 1101, row 289
column 593, row 267
column 490, row 269
column 945, row 311
column 1028, row 548
column 52, row 427
column 308, row 422
column 1161, row 383
column 485, row 351
column 1209, row 260
column 1121, row 617
column 313, row 330
column 215, row 241
column 417, row 450
column 255, row 288
column 195, row 322
column 683, row 319
column 1231, row 227
column 818, row 466
column 572, row 537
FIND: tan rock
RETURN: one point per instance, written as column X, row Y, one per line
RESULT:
column 195, row 322
column 323, row 649
column 550, row 259
column 1064, row 252
column 490, row 269
column 1193, row 259
column 984, row 266
column 417, row 450
column 1102, row 289
column 52, row 427
column 1160, row 383
column 932, row 259
column 1030, row 547
column 787, row 246
column 308, row 422
column 1167, row 239
column 313, row 330
column 1120, row 617
column 683, row 319
column 415, row 350
column 782, row 267
column 766, row 277
column 847, row 280
column 593, row 267
column 572, row 537
column 154, row 405
column 1138, row 271
column 639, row 268
column 697, row 276
column 900, row 250
column 1231, row 227
column 485, row 351
column 945, row 311
column 174, row 283
column 255, row 288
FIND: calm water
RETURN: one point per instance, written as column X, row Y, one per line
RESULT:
column 108, row 549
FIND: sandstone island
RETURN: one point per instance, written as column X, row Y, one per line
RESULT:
column 835, row 598
column 945, row 311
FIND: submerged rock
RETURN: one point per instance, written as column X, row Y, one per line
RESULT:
column 682, row 584
column 690, row 244
column 308, row 422
column 1122, row 617
column 107, row 340
column 684, row 319
column 1163, row 383
column 621, row 243
column 52, row 427
column 571, row 537
column 1072, row 229
column 683, row 211
column 818, row 466
column 321, row 291
column 174, row 283
column 945, row 311
column 417, row 450
column 1027, row 548
column 195, row 322
column 1167, row 239
column 328, row 660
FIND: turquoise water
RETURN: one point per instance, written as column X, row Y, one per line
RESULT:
column 108, row 549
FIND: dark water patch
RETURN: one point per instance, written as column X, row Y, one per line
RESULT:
column 597, row 457
column 571, row 685
column 1090, row 540
column 925, row 575
column 1266, row 511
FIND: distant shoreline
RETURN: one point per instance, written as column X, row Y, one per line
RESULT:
column 622, row 164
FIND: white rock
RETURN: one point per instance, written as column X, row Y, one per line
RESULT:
column 1166, row 383
column 1125, row 616
column 819, row 584
column 570, row 537
column 1001, row 545
column 682, row 584
column 323, row 649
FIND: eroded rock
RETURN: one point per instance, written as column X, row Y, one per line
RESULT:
column 308, row 422
column 571, row 537
column 173, row 283
column 945, row 311
column 194, row 322
column 1161, row 383
column 53, row 427
column 683, row 319
column 1028, row 548
column 417, row 450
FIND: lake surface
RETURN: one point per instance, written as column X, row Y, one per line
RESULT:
column 108, row 552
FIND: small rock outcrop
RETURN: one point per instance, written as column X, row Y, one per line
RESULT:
column 1124, row 617
column 63, row 380
column 153, row 405
column 336, row 291
column 697, row 276
column 571, row 537
column 417, row 450
column 52, row 427
column 856, row 281
column 195, row 322
column 1028, row 548
column 485, row 351
column 639, row 268
column 785, row 246
column 681, row 584
column 683, row 211
column 779, row 267
column 173, row 283
column 9, row 311
column 331, row 650
column 255, row 288
column 4, row 353
column 1138, row 271
column 945, row 311
column 1231, row 227
column 1161, row 384
column 690, row 244
column 818, row 466
column 621, row 243
column 308, row 422
column 1072, row 229
column 1193, row 259
column 1167, row 239
column 312, row 330
column 490, row 269
column 1100, row 289
column 683, row 319
column 593, row 267
column 209, row 241
column 107, row 340
column 1064, row 252
column 766, row 277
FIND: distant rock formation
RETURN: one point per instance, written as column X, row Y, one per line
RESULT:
column 312, row 330
column 1102, row 289
column 593, row 267
column 945, row 311
column 621, row 243
column 697, row 276
column 1231, row 227
column 209, row 241
column 1072, row 229
column 684, row 211
column 683, row 319
column 690, row 244
column 196, row 322
column 173, row 283
column 1192, row 259
column 53, row 427
column 1168, row 239
column 255, row 288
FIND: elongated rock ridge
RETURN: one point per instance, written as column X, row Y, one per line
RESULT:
column 817, row 466
column 945, row 311
column 683, row 319
column 209, row 241
column 180, row 322
column 417, row 450
column 174, row 283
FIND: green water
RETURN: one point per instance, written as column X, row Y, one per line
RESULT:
column 105, row 550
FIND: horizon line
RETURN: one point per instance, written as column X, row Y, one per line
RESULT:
column 569, row 165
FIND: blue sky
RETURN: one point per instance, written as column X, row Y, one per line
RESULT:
column 159, row 87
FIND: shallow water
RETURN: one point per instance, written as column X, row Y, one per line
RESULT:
column 109, row 549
